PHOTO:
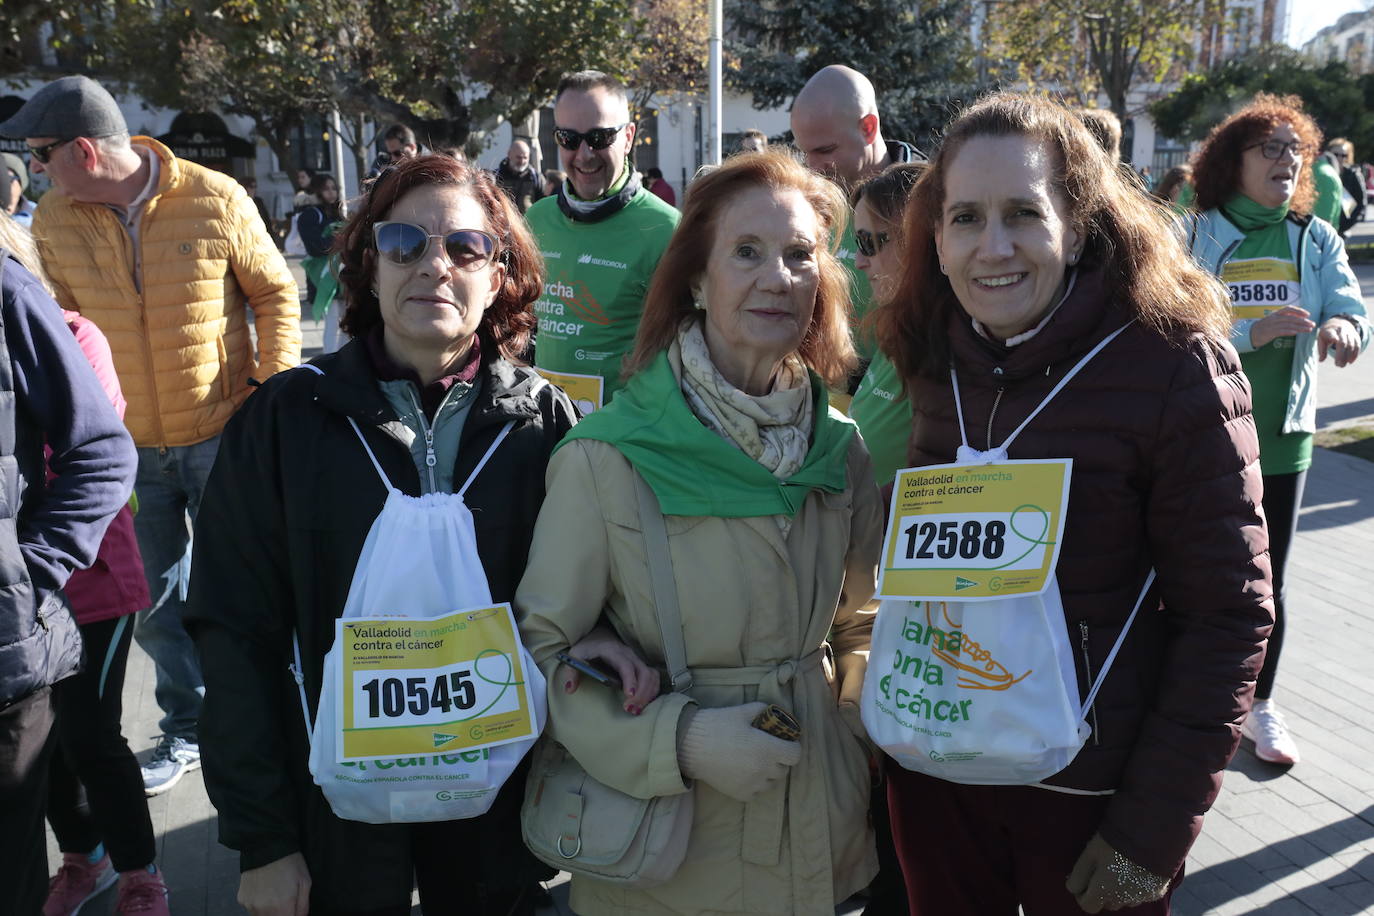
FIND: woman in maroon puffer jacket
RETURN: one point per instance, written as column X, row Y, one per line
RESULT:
column 1026, row 247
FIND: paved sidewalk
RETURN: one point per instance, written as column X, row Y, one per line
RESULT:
column 1295, row 842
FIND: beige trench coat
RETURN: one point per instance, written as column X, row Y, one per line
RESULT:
column 750, row 597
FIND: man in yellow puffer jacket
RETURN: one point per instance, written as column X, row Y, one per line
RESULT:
column 164, row 256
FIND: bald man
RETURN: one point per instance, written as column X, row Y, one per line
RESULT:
column 836, row 126
column 517, row 177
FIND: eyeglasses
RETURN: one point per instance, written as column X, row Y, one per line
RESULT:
column 869, row 243
column 1274, row 149
column 44, row 153
column 596, row 138
column 404, row 244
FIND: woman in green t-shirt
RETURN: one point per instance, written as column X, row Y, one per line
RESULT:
column 879, row 406
column 1294, row 300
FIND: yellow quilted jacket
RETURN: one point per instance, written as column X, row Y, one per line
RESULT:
column 182, row 346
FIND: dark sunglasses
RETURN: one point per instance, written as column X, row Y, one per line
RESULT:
column 868, row 243
column 596, row 138
column 44, row 153
column 406, row 243
column 1274, row 149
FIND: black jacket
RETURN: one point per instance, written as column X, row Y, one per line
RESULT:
column 281, row 525
column 523, row 188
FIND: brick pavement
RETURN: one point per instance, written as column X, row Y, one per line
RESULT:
column 1279, row 843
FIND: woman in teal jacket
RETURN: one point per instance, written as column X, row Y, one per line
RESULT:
column 1295, row 301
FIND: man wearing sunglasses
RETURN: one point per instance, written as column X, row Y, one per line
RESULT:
column 400, row 144
column 836, row 126
column 601, row 235
column 164, row 256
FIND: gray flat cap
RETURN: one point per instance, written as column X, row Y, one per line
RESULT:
column 74, row 106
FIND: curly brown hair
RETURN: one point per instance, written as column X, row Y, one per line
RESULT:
column 509, row 321
column 1216, row 166
column 826, row 348
column 1132, row 237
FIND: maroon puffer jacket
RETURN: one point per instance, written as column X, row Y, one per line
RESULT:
column 1165, row 473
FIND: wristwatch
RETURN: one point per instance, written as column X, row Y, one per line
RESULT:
column 1354, row 322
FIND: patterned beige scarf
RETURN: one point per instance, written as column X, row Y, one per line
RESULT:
column 773, row 429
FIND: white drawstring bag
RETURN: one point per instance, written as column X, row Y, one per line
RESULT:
column 419, row 560
column 980, row 693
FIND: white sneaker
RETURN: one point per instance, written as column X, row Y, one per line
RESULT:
column 173, row 759
column 1265, row 726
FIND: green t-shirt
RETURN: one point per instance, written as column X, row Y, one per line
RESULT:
column 860, row 293
column 598, row 273
column 1262, row 277
column 1328, row 180
column 884, row 417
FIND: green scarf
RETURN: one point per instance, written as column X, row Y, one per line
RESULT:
column 1249, row 216
column 692, row 470
column 323, row 275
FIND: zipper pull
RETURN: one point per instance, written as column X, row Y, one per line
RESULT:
column 430, row 459
column 42, row 621
column 1083, row 643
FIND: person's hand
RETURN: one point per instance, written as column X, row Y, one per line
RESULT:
column 849, row 689
column 638, row 681
column 1104, row 879
column 1338, row 336
column 723, row 749
column 280, row 888
column 1285, row 322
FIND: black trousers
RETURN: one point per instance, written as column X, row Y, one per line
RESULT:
column 450, row 885
column 92, row 754
column 25, row 745
column 1282, row 499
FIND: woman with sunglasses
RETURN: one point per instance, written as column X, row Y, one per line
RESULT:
column 879, row 406
column 1295, row 301
column 439, row 274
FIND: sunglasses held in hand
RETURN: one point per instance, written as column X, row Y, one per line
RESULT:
column 596, row 138
column 406, row 243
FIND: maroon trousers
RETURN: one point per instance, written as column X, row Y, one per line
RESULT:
column 984, row 850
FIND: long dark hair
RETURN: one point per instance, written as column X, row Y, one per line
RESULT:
column 1146, row 266
column 509, row 320
column 332, row 212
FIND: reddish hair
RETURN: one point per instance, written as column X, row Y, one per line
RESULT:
column 509, row 320
column 1216, row 166
column 1132, row 237
column 826, row 348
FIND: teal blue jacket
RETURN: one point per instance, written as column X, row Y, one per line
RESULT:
column 1328, row 287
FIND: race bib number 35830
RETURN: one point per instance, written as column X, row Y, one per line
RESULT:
column 416, row 686
column 974, row 531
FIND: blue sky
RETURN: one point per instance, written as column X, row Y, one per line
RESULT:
column 1307, row 17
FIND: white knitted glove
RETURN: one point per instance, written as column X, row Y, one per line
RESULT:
column 722, row 749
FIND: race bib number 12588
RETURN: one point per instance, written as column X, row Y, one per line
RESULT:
column 974, row 531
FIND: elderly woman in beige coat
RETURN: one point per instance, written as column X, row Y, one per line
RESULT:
column 773, row 527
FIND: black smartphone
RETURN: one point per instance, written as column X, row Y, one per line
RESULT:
column 591, row 670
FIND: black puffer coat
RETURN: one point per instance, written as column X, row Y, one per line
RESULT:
column 282, row 524
column 1165, row 474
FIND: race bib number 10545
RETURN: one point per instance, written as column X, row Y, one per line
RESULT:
column 416, row 686
column 972, row 532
